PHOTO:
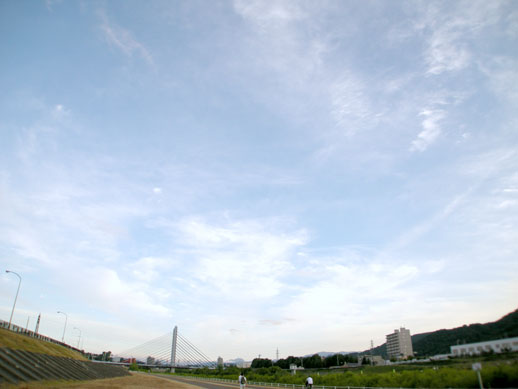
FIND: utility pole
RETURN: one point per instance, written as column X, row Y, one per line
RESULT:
column 16, row 298
column 37, row 324
column 79, row 340
column 65, row 327
column 277, row 353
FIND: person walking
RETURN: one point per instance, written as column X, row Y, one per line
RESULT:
column 309, row 382
column 242, row 381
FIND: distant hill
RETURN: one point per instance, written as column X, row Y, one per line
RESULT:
column 439, row 342
column 236, row 361
column 326, row 354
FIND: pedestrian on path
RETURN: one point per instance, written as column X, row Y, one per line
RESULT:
column 309, row 382
column 242, row 381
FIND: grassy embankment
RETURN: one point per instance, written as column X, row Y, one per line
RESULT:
column 16, row 341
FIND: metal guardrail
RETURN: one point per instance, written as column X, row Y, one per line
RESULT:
column 294, row 386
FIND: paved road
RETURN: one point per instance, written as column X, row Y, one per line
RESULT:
column 203, row 384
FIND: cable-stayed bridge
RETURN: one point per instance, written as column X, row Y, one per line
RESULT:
column 169, row 350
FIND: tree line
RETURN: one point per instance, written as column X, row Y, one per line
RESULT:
column 310, row 362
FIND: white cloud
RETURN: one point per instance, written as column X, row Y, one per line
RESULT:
column 107, row 290
column 243, row 259
column 59, row 111
column 507, row 204
column 431, row 129
column 148, row 269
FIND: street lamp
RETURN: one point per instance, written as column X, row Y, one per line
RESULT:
column 79, row 340
column 65, row 328
column 14, row 305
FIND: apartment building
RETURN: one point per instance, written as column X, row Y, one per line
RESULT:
column 399, row 344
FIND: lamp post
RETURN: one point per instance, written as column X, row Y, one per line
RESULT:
column 65, row 328
column 79, row 340
column 14, row 305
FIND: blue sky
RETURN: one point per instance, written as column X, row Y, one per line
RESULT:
column 297, row 175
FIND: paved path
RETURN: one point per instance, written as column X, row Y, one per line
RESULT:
column 203, row 384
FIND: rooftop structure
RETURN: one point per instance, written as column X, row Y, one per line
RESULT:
column 497, row 346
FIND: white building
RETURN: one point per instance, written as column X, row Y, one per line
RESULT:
column 399, row 344
column 497, row 346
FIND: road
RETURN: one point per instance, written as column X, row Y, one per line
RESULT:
column 203, row 384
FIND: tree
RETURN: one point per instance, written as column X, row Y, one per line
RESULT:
column 314, row 361
column 285, row 363
column 261, row 362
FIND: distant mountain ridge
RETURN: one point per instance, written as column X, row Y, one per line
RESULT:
column 326, row 354
column 439, row 342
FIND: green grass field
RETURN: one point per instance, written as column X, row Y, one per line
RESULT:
column 501, row 373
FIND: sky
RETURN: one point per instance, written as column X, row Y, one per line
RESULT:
column 296, row 175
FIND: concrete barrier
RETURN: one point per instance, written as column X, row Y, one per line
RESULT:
column 23, row 366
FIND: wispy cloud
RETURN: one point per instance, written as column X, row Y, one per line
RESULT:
column 124, row 40
column 349, row 105
column 503, row 75
column 291, row 45
column 50, row 3
column 417, row 232
column 265, row 14
column 451, row 28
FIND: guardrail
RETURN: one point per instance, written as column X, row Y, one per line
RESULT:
column 32, row 334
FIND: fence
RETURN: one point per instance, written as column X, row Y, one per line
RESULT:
column 291, row 386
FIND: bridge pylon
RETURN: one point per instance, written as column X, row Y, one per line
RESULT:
column 173, row 349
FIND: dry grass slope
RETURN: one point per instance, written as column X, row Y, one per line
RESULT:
column 135, row 381
column 22, row 342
